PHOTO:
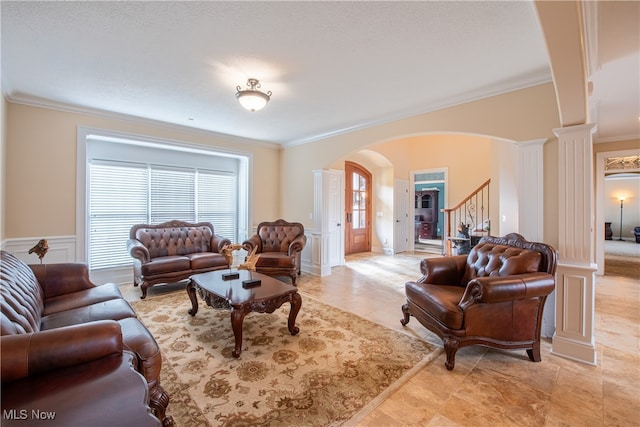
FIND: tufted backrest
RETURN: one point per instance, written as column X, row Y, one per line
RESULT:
column 277, row 236
column 174, row 238
column 509, row 255
column 22, row 302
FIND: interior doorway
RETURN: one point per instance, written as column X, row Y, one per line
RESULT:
column 610, row 163
column 430, row 197
column 357, row 209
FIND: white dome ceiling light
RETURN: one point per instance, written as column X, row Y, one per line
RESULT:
column 252, row 99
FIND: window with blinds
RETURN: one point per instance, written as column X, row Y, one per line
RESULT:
column 122, row 194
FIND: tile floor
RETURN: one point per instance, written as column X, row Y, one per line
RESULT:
column 491, row 387
column 497, row 387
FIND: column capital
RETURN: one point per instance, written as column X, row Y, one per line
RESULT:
column 586, row 128
column 531, row 143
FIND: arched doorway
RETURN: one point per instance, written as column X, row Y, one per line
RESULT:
column 357, row 209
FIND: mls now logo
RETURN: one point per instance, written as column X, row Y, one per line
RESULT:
column 23, row 414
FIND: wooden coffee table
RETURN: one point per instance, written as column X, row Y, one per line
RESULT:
column 230, row 294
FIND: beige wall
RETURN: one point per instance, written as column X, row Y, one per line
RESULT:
column 629, row 144
column 522, row 115
column 40, row 173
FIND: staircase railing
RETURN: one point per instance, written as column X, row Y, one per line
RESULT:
column 468, row 221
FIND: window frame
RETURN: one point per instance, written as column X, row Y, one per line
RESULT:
column 84, row 156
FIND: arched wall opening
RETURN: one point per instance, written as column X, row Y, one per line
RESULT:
column 520, row 116
column 469, row 160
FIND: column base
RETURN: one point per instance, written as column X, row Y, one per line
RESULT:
column 570, row 349
column 575, row 312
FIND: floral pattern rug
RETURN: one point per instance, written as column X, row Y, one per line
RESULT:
column 323, row 376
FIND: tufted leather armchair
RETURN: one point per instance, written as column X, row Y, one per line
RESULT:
column 493, row 296
column 279, row 245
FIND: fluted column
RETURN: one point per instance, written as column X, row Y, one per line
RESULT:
column 531, row 189
column 575, row 301
column 531, row 209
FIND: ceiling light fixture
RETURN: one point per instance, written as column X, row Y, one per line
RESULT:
column 252, row 99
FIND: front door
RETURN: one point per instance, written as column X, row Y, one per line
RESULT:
column 357, row 209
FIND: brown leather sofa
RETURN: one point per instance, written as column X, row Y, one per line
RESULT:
column 279, row 244
column 51, row 317
column 494, row 296
column 173, row 251
column 95, row 384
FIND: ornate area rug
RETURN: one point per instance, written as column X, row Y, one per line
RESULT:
column 337, row 364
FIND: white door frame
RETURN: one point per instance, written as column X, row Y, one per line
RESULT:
column 401, row 207
column 412, row 196
column 599, row 201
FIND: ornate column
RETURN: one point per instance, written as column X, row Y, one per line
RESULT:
column 531, row 209
column 575, row 296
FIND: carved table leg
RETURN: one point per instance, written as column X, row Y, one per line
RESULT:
column 296, row 303
column 237, row 317
column 191, row 291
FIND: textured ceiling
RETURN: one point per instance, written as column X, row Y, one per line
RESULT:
column 332, row 66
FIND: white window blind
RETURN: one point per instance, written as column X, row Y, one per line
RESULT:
column 123, row 194
column 218, row 201
column 172, row 195
column 119, row 196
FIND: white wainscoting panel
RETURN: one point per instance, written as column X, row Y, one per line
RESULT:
column 61, row 249
column 306, row 261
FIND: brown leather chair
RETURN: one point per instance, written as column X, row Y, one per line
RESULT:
column 493, row 296
column 279, row 245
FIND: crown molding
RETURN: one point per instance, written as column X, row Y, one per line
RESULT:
column 629, row 137
column 532, row 80
column 68, row 108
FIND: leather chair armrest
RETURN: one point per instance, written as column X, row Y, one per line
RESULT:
column 63, row 278
column 443, row 271
column 494, row 289
column 297, row 245
column 29, row 354
column 252, row 242
column 218, row 242
column 138, row 250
